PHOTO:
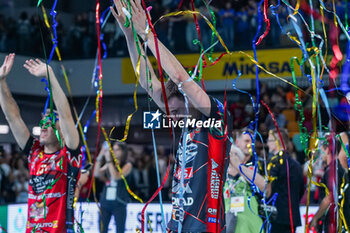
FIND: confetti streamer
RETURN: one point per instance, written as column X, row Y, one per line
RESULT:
column 267, row 21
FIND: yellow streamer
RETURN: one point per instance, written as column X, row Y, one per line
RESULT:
column 293, row 38
column 297, row 6
column 325, row 40
column 268, row 72
column 334, row 15
column 127, row 125
column 187, row 12
column 116, row 162
column 341, row 208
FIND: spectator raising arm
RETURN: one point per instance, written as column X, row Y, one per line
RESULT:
column 69, row 132
column 9, row 106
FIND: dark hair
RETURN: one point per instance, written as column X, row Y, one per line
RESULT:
column 327, row 141
column 171, row 90
column 243, row 131
column 284, row 135
column 123, row 147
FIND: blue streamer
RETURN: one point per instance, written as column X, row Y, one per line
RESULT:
column 102, row 22
column 54, row 30
column 48, row 94
column 85, row 129
column 155, row 152
column 344, row 84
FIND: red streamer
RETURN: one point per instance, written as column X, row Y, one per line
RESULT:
column 224, row 156
column 333, row 36
column 158, row 61
column 97, row 13
column 267, row 21
column 153, row 196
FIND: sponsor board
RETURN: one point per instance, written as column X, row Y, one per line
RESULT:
column 276, row 61
column 17, row 217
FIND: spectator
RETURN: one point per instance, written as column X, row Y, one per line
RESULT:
column 279, row 166
column 141, row 176
column 227, row 17
column 85, row 35
column 242, row 28
column 23, row 31
column 206, row 32
column 3, row 33
column 328, row 205
column 12, row 37
column 35, row 24
column 114, row 196
column 288, row 186
column 191, row 33
column 317, row 173
column 21, row 187
column 237, row 110
column 279, row 97
column 279, row 117
column 237, row 191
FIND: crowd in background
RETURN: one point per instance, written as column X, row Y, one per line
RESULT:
column 78, row 38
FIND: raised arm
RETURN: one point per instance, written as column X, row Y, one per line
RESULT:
column 9, row 106
column 171, row 65
column 154, row 92
column 259, row 180
column 69, row 132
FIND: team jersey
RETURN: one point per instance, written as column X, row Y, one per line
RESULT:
column 52, row 182
column 206, row 163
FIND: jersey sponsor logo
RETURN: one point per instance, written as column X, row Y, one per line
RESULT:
column 40, row 183
column 52, row 224
column 212, row 211
column 48, row 195
column 42, row 169
column 38, row 211
column 178, row 214
column 212, row 220
column 188, row 173
column 191, row 151
column 214, row 181
column 176, row 188
column 188, row 201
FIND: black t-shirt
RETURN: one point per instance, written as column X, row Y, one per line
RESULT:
column 325, row 180
column 206, row 162
column 115, row 192
column 346, row 207
column 277, row 169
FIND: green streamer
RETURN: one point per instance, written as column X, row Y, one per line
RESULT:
column 39, row 2
column 299, row 107
column 346, row 16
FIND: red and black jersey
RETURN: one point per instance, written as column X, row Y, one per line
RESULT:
column 207, row 151
column 52, row 182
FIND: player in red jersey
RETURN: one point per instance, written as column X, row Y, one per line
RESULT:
column 54, row 170
column 198, row 200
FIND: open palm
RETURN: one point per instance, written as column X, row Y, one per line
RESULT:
column 119, row 15
column 7, row 65
column 36, row 67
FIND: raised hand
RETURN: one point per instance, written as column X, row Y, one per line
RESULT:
column 7, row 65
column 120, row 16
column 36, row 67
column 139, row 18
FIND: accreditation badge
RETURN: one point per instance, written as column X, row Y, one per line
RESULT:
column 237, row 204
